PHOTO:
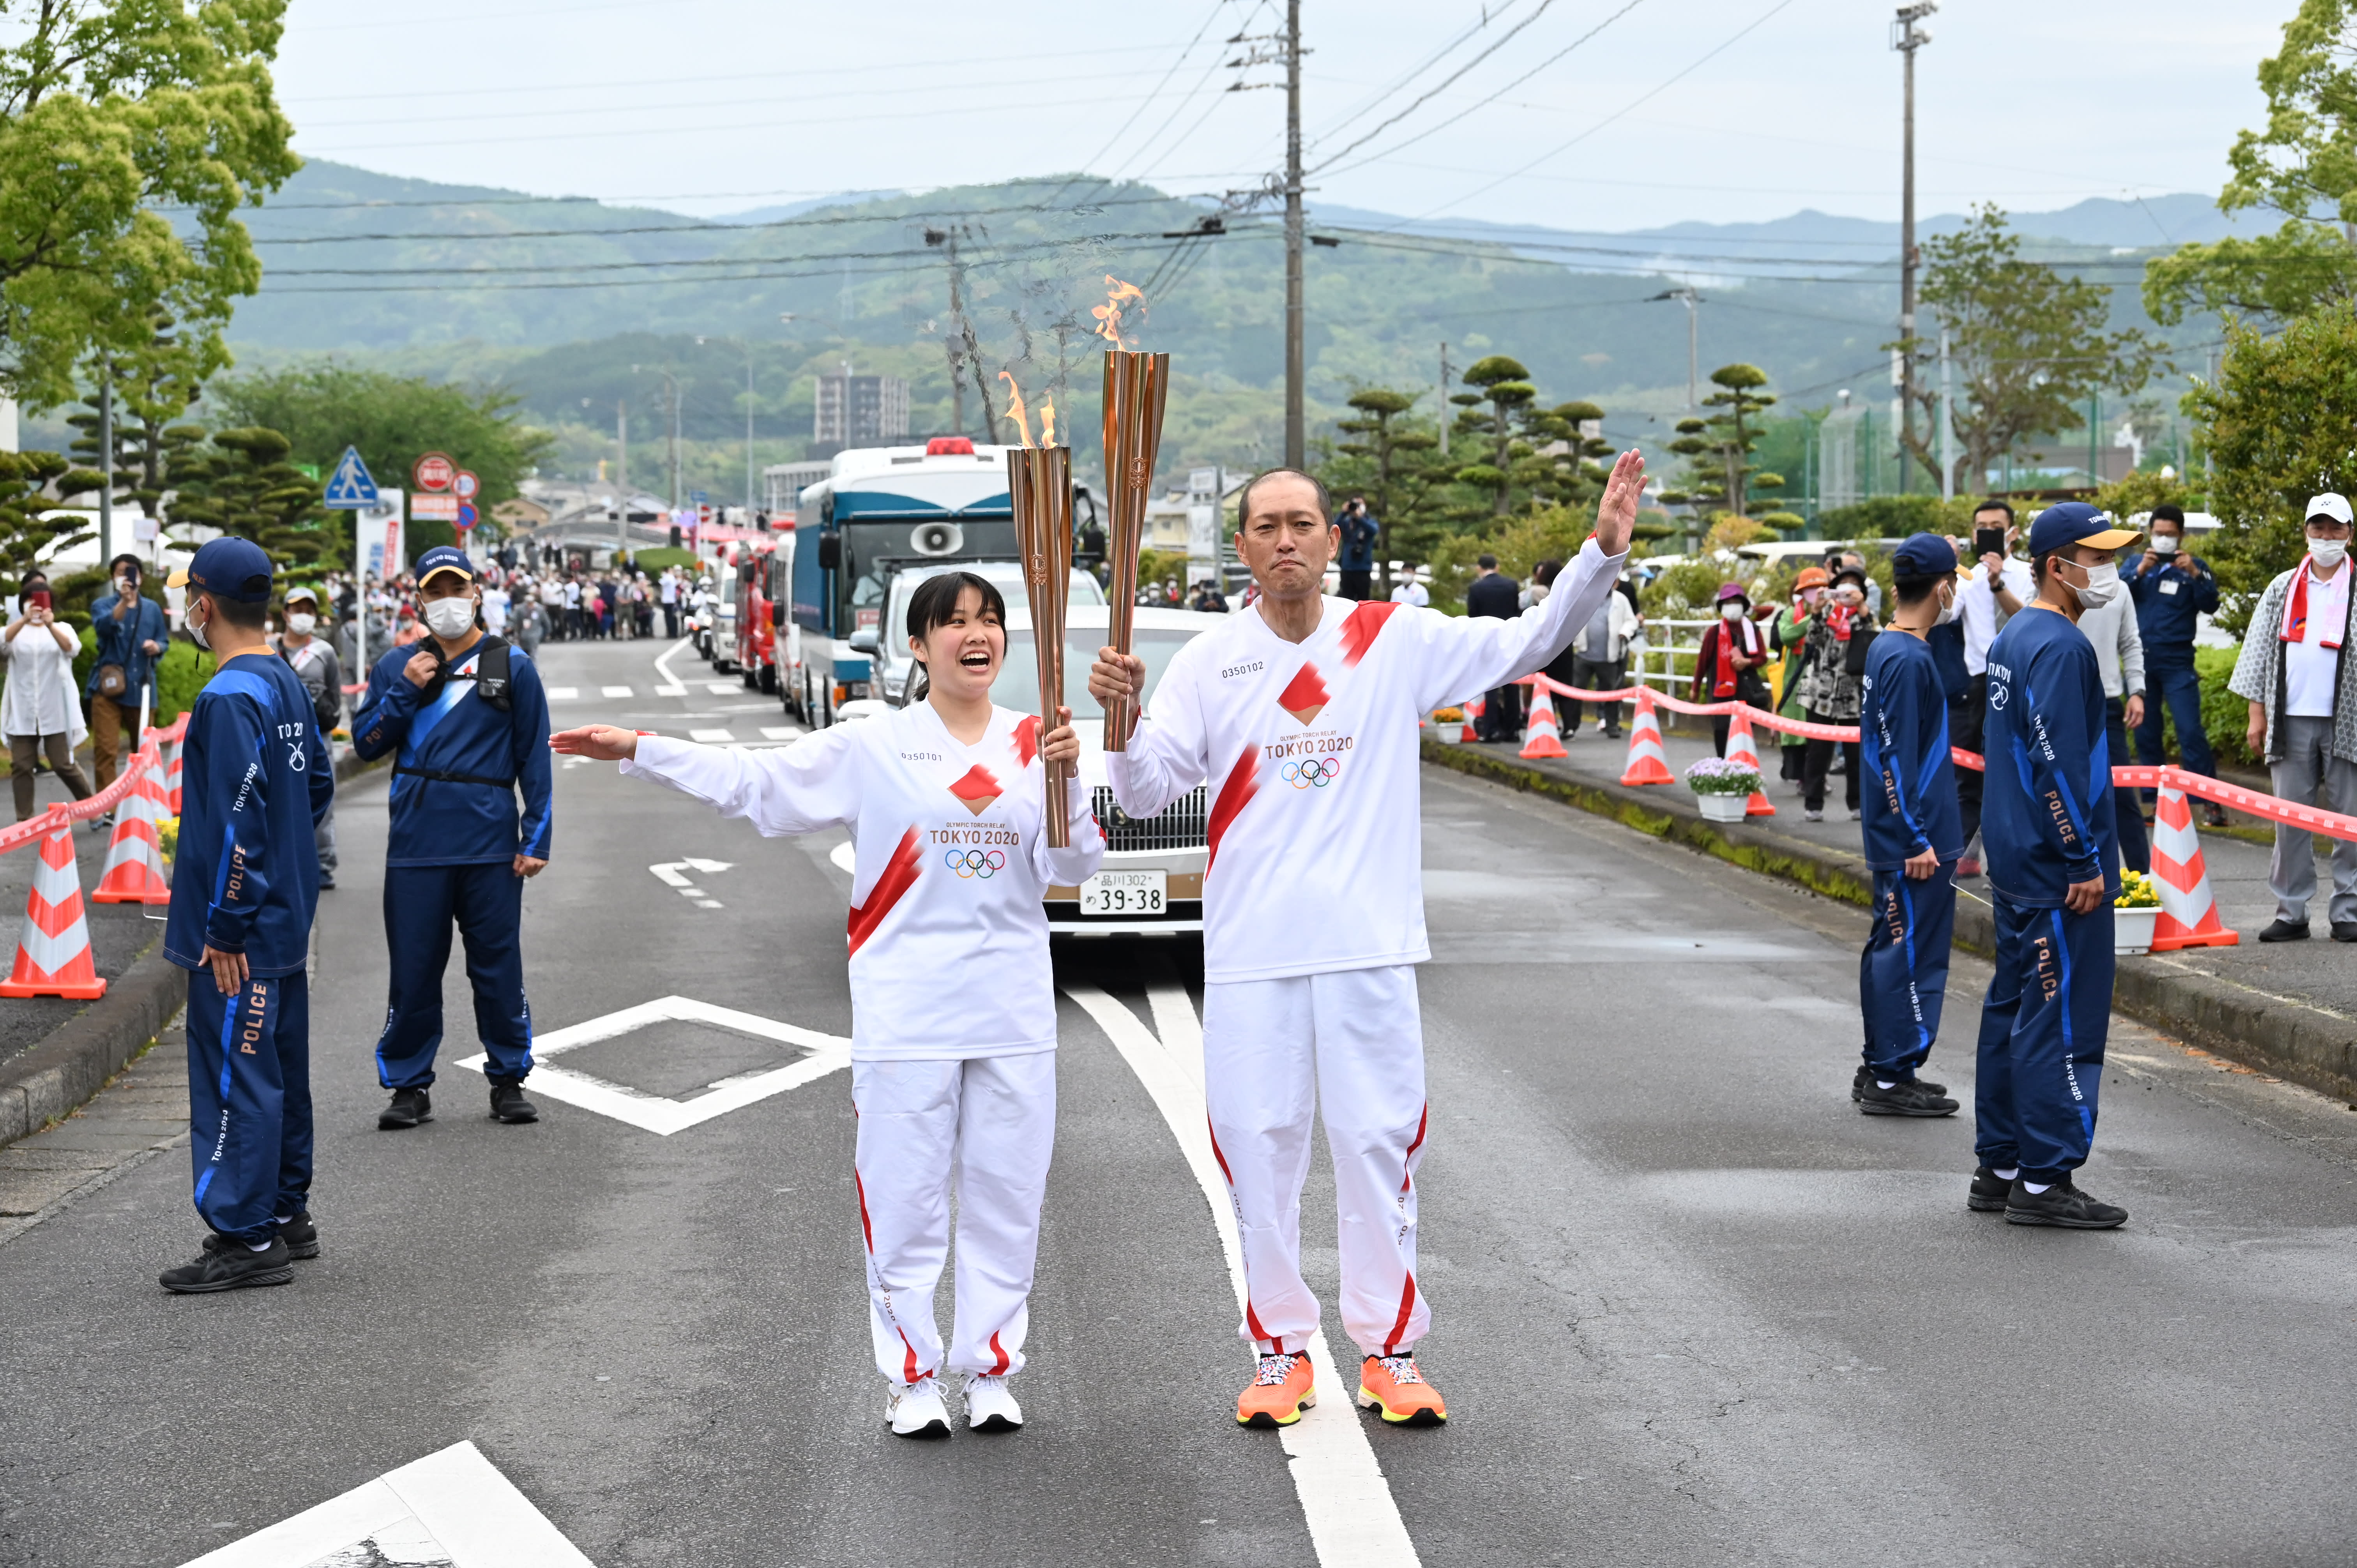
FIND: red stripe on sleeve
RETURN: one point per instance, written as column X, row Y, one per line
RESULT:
column 899, row 876
column 1243, row 783
column 1361, row 627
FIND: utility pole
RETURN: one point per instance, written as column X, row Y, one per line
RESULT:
column 674, row 441
column 1444, row 400
column 1297, row 443
column 748, row 436
column 106, row 459
column 622, row 479
column 947, row 240
column 1907, row 38
column 1947, row 420
column 1693, row 299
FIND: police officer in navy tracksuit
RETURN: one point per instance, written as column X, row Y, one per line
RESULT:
column 257, row 779
column 466, row 720
column 1914, row 834
column 2053, row 866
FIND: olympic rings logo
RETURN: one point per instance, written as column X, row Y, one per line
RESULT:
column 1314, row 773
column 970, row 863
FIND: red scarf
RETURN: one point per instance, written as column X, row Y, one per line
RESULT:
column 1726, row 671
column 2335, row 595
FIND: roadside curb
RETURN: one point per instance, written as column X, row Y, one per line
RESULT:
column 2307, row 1044
column 56, row 1076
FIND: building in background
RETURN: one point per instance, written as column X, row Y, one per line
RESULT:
column 783, row 483
column 858, row 411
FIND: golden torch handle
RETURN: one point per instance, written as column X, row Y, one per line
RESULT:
column 1039, row 482
column 1135, row 388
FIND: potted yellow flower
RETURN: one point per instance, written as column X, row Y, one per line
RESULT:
column 2134, row 913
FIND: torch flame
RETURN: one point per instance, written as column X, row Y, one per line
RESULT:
column 1109, row 313
column 1047, row 420
column 1015, row 410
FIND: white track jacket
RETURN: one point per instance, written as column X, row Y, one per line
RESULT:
column 947, row 938
column 1308, row 751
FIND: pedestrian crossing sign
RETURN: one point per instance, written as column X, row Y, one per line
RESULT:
column 351, row 488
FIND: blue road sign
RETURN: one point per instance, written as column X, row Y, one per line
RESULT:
column 698, row 497
column 350, row 488
column 467, row 516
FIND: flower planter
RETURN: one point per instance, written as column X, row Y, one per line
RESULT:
column 2132, row 929
column 1727, row 808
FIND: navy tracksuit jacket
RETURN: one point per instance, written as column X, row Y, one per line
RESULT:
column 459, row 763
column 2047, row 821
column 1910, row 806
column 255, row 779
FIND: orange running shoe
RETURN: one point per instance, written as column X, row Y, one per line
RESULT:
column 1278, row 1393
column 1394, row 1385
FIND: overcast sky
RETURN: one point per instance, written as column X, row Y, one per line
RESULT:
column 1716, row 110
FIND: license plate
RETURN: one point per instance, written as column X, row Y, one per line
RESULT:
column 1127, row 893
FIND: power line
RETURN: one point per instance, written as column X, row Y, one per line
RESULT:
column 1123, row 130
column 798, row 221
column 1450, row 80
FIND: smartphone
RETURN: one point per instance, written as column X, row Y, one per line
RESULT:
column 1988, row 541
column 131, row 570
column 39, row 599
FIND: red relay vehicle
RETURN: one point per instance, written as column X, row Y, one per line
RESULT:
column 762, row 591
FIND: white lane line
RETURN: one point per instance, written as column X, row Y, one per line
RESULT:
column 671, row 691
column 667, row 683
column 614, row 691
column 723, row 688
column 781, row 732
column 1353, row 1521
column 715, row 736
column 563, row 693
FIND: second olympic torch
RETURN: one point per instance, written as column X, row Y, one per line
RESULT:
column 1040, row 480
column 1135, row 387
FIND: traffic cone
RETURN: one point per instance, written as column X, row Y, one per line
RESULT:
column 1741, row 749
column 1648, row 763
column 2189, row 913
column 134, row 872
column 172, row 775
column 53, row 954
column 1542, row 736
column 1472, row 711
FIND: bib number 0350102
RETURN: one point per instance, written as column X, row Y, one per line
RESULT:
column 1127, row 893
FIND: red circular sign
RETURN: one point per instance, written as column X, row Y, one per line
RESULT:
column 433, row 472
column 464, row 484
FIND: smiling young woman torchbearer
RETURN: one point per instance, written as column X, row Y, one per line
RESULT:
column 953, row 1007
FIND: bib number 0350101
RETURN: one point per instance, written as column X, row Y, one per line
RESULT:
column 1127, row 893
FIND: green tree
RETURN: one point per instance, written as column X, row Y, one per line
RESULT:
column 32, row 483
column 244, row 484
column 1735, row 432
column 1506, row 391
column 2278, row 423
column 2303, row 165
column 2027, row 345
column 1392, row 466
column 153, row 386
column 110, row 112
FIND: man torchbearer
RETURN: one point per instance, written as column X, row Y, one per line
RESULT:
column 1300, row 717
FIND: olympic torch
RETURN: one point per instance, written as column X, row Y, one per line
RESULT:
column 1040, row 481
column 1137, row 385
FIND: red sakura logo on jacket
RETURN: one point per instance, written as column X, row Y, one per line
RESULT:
column 977, row 790
column 1027, row 741
column 1305, row 696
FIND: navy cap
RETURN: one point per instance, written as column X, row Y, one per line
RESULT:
column 2076, row 522
column 228, row 568
column 1924, row 555
column 444, row 558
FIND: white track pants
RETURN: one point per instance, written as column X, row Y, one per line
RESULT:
column 1352, row 1043
column 987, row 1127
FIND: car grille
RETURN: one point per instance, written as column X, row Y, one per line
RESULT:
column 1180, row 825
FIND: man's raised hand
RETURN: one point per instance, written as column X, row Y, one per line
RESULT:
column 1616, row 514
column 601, row 743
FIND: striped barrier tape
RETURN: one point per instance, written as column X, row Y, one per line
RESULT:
column 32, row 829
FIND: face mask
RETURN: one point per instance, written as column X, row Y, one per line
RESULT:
column 1950, row 610
column 450, row 617
column 301, row 625
column 2164, row 543
column 197, row 634
column 2328, row 553
column 2103, row 585
column 1730, row 612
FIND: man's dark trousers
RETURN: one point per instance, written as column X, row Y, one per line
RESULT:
column 420, row 904
column 2041, row 1044
column 1965, row 714
column 2135, row 850
column 1359, row 585
column 1902, row 976
column 670, row 622
column 250, row 1101
column 2178, row 685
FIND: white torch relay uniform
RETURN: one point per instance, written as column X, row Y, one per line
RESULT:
column 1313, row 916
column 952, row 999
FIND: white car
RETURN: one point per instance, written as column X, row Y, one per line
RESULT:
column 1151, row 884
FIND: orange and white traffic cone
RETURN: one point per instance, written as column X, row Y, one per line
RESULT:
column 1542, row 736
column 172, row 775
column 1648, row 763
column 1741, row 749
column 53, row 954
column 2189, row 913
column 1472, row 711
column 134, row 872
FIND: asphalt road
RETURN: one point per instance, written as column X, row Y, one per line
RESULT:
column 1689, row 1307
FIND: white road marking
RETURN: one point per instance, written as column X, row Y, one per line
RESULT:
column 673, row 690
column 722, row 688
column 563, row 693
column 718, row 737
column 614, row 691
column 1348, row 1505
column 455, row 1503
column 709, row 904
column 654, row 1112
column 781, row 732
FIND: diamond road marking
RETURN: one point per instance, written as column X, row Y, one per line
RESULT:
column 781, row 732
column 718, row 737
column 660, row 1115
column 614, row 691
column 563, row 693
column 452, row 1508
column 722, row 688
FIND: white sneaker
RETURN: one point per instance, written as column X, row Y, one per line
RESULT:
column 990, row 1406
column 915, row 1410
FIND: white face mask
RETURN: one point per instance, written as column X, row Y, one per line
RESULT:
column 1730, row 612
column 2328, row 553
column 450, row 617
column 196, row 632
column 2165, row 544
column 300, row 624
column 2103, row 585
column 1953, row 608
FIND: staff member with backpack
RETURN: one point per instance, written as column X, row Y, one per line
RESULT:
column 322, row 674
column 466, row 720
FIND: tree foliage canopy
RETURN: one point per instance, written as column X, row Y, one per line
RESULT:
column 244, row 484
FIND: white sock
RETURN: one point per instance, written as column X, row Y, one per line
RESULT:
column 2036, row 1187
column 257, row 1246
column 2011, row 1173
column 1884, row 1083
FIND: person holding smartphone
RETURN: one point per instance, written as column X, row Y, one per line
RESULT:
column 2000, row 585
column 130, row 637
column 38, row 710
